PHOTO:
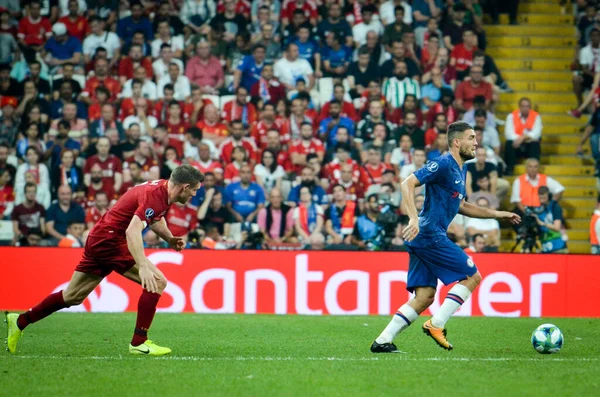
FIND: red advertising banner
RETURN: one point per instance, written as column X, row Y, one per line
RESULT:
column 310, row 283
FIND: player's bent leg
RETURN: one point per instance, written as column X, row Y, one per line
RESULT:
column 79, row 287
column 402, row 319
column 146, row 310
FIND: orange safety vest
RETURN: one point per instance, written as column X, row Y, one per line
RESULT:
column 518, row 124
column 348, row 218
column 528, row 192
column 593, row 235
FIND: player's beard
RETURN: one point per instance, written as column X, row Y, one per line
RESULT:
column 466, row 153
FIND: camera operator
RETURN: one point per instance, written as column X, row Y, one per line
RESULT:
column 549, row 218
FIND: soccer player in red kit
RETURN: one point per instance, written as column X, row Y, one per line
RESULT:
column 115, row 244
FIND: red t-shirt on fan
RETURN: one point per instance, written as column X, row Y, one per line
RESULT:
column 372, row 174
column 110, row 166
column 109, row 189
column 149, row 201
column 181, row 219
column 298, row 146
column 92, row 215
column 463, row 56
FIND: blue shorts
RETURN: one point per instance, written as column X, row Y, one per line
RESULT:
column 442, row 260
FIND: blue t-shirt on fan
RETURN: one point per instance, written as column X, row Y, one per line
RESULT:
column 244, row 200
column 250, row 71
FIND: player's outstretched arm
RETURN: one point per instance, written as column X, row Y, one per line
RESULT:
column 474, row 211
column 162, row 230
column 408, row 205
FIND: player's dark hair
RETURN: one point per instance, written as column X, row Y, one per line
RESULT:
column 456, row 129
column 186, row 175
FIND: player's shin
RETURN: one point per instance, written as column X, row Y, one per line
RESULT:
column 146, row 310
column 53, row 302
column 401, row 320
column 454, row 300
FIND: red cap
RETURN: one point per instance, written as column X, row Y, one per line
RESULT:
column 9, row 100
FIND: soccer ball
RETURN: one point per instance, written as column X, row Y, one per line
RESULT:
column 547, row 339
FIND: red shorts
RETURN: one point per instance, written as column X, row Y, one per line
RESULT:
column 103, row 255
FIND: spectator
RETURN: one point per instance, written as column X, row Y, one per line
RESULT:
column 32, row 139
column 335, row 56
column 289, row 9
column 403, row 154
column 469, row 89
column 67, row 173
column 144, row 156
column 290, row 68
column 438, row 148
column 340, row 217
column 63, row 213
column 281, row 155
column 592, row 132
column 379, row 143
column 160, row 67
column 97, row 185
column 212, row 129
column 429, row 52
column 335, row 22
column 595, row 229
column 140, row 117
column 440, row 126
column 361, row 73
column 102, row 78
column 350, row 182
column 38, row 173
column 365, row 127
column 479, row 103
column 432, row 92
column 482, row 168
column 549, row 218
column 8, row 34
column 523, row 131
column 588, row 56
column 180, row 83
column 491, row 138
column 244, row 198
column 62, row 48
column 237, row 139
column 7, row 195
column 399, row 85
column 483, row 184
column 398, row 51
column 393, row 16
column 136, row 59
column 65, row 96
column 34, row 30
column 9, row 123
column 238, row 50
column 149, row 89
column 28, row 215
column 239, row 157
column 76, row 24
column 9, row 87
column 368, row 24
column 62, row 142
column 233, row 21
column 366, row 227
column 41, row 84
column 182, row 219
column 195, row 15
column 200, row 196
column 33, row 98
column 74, row 236
column 410, row 128
column 4, row 164
column 308, row 218
column 491, row 73
column 101, row 38
column 489, row 228
column 478, row 244
column 339, row 94
column 95, row 212
column 453, row 33
column 525, row 188
column 268, row 173
column 135, row 171
column 106, row 121
column 249, row 71
column 267, row 122
column 373, row 169
column 329, row 126
column 135, row 22
column 164, row 36
column 308, row 180
column 276, row 220
column 461, row 57
column 112, row 168
column 332, row 170
column 300, row 148
column 68, row 71
column 240, row 109
column 205, row 70
column 418, row 161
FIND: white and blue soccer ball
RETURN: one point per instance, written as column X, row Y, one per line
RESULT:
column 547, row 339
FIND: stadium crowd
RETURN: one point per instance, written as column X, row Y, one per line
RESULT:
column 304, row 116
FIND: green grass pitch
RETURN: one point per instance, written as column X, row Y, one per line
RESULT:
column 256, row 355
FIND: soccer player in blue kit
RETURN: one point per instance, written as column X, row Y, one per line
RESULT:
column 432, row 255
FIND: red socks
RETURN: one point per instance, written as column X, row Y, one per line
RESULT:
column 51, row 304
column 146, row 309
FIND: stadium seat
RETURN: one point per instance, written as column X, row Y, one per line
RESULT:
column 225, row 99
column 215, row 99
column 325, row 91
column 6, row 231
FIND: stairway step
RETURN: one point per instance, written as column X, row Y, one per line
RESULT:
column 561, row 139
column 543, row 108
column 555, row 121
column 538, row 97
column 567, row 181
column 578, row 224
column 548, row 86
column 554, row 53
column 558, row 77
column 551, row 8
column 562, row 170
column 545, row 19
column 575, row 247
column 531, row 30
column 580, row 192
column 545, row 65
column 573, row 234
column 565, row 149
column 532, row 41
column 566, row 160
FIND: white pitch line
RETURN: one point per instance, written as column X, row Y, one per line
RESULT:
column 241, row 358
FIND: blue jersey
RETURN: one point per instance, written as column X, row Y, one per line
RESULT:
column 244, row 201
column 444, row 192
column 250, row 71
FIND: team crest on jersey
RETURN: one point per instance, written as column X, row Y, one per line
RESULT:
column 433, row 166
column 470, row 262
column 149, row 213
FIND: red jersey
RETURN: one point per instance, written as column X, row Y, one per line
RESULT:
column 450, row 112
column 283, row 159
column 146, row 164
column 177, row 135
column 111, row 85
column 289, row 6
column 290, row 129
column 242, row 7
column 431, row 135
column 217, row 129
column 181, row 219
column 126, row 67
column 110, row 167
column 354, row 190
column 127, row 108
column 109, row 189
column 300, row 147
column 398, row 117
column 333, row 171
column 372, row 174
column 92, row 215
column 7, row 197
column 233, row 111
column 94, row 112
column 271, row 91
column 210, row 166
column 348, row 110
column 34, row 33
column 463, row 57
column 148, row 201
column 78, row 28
column 259, row 130
column 467, row 92
column 188, row 109
column 229, row 144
